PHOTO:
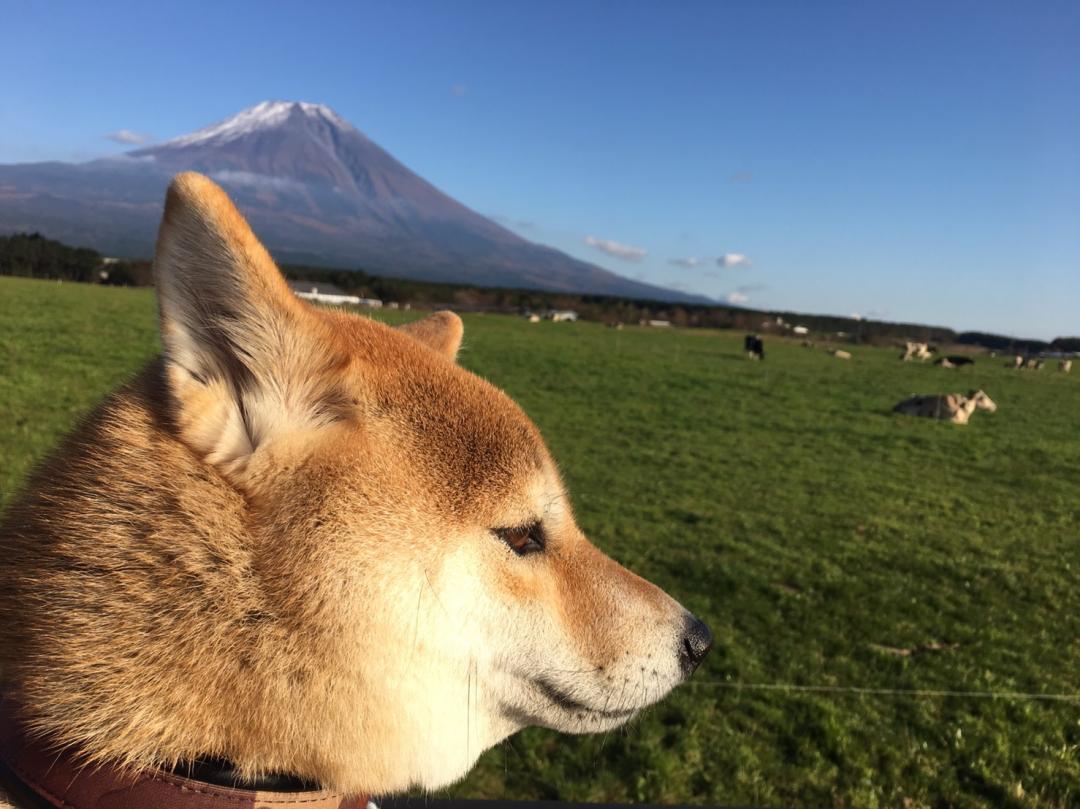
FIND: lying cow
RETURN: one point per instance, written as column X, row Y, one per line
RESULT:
column 841, row 355
column 951, row 407
column 754, row 347
column 954, row 361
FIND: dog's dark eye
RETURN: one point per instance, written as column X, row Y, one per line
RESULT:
column 523, row 539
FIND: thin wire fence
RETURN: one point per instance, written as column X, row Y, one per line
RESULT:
column 852, row 690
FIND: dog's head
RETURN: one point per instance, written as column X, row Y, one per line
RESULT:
column 416, row 588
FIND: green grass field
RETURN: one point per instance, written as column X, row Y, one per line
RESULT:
column 826, row 541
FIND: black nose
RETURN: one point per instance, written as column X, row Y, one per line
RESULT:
column 696, row 642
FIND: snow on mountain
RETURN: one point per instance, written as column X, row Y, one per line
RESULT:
column 315, row 189
column 265, row 115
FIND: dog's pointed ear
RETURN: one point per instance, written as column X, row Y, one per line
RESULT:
column 243, row 354
column 439, row 331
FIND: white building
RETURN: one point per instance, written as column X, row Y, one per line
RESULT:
column 562, row 316
column 328, row 293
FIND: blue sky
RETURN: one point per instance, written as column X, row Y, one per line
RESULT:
column 910, row 161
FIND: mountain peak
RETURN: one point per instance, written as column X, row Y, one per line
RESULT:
column 262, row 116
column 316, row 189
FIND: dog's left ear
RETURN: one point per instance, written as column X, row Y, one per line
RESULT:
column 247, row 362
column 439, row 331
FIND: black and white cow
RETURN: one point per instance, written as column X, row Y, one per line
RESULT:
column 754, row 347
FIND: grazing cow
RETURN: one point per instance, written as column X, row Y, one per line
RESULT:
column 1018, row 362
column 841, row 355
column 1034, row 363
column 1065, row 366
column 754, row 347
column 916, row 351
column 954, row 361
column 951, row 407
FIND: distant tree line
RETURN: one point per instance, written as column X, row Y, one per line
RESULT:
column 606, row 309
column 32, row 255
column 1010, row 345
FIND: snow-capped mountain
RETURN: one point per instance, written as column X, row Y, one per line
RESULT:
column 267, row 115
column 315, row 189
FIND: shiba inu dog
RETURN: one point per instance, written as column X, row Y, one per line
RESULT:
column 308, row 544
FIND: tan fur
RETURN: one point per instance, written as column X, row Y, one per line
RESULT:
column 275, row 546
column 441, row 331
column 952, row 407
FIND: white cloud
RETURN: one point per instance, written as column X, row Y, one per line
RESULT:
column 126, row 136
column 724, row 260
column 125, row 157
column 264, row 181
column 733, row 260
column 741, row 295
column 524, row 224
column 624, row 251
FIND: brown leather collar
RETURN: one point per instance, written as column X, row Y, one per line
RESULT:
column 59, row 779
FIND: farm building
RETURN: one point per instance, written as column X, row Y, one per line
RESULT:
column 329, row 293
column 562, row 316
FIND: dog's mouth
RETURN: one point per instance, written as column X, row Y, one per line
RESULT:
column 553, row 694
column 570, row 713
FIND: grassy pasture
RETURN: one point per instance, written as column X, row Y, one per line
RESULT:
column 825, row 540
